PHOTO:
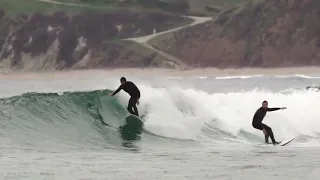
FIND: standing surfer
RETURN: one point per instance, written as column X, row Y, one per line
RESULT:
column 258, row 118
column 133, row 91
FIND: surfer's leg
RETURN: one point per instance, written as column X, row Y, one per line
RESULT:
column 130, row 105
column 269, row 133
column 266, row 134
column 134, row 105
column 260, row 127
column 266, row 138
column 135, row 110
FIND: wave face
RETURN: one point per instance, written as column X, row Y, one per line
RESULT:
column 75, row 120
column 59, row 120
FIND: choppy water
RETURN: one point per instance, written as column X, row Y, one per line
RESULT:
column 195, row 128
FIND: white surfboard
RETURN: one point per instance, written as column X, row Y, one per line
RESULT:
column 283, row 143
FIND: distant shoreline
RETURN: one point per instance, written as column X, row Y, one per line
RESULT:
column 160, row 72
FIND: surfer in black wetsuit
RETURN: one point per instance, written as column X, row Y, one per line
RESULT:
column 258, row 118
column 133, row 91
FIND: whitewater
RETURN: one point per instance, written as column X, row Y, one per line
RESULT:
column 196, row 127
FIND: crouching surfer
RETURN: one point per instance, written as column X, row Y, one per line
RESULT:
column 133, row 91
column 258, row 118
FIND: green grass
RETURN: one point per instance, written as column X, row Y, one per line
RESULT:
column 82, row 2
column 104, row 2
column 235, row 1
column 31, row 6
column 141, row 6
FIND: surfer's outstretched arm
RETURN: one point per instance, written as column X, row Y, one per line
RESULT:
column 275, row 109
column 115, row 92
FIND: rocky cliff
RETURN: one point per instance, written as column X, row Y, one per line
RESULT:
column 86, row 40
column 259, row 33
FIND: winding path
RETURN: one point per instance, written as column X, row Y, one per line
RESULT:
column 143, row 40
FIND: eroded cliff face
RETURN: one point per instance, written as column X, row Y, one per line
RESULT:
column 259, row 33
column 92, row 40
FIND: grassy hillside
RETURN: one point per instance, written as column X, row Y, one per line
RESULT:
column 176, row 6
column 31, row 6
column 188, row 7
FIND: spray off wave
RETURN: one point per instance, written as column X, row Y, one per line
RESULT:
column 75, row 119
column 180, row 113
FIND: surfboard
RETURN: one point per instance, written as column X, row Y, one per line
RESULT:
column 132, row 128
column 133, row 119
column 283, row 143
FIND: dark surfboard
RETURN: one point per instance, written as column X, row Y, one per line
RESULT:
column 132, row 128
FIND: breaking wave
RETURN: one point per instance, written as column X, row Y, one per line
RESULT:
column 78, row 119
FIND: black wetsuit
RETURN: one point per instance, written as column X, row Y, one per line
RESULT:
column 134, row 92
column 257, row 122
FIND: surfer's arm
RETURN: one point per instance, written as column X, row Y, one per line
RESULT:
column 115, row 92
column 275, row 109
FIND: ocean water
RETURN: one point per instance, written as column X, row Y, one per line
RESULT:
column 195, row 127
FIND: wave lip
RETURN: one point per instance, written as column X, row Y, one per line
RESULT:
column 238, row 77
column 300, row 76
column 245, row 77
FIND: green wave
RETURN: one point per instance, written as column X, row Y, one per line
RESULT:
column 68, row 119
